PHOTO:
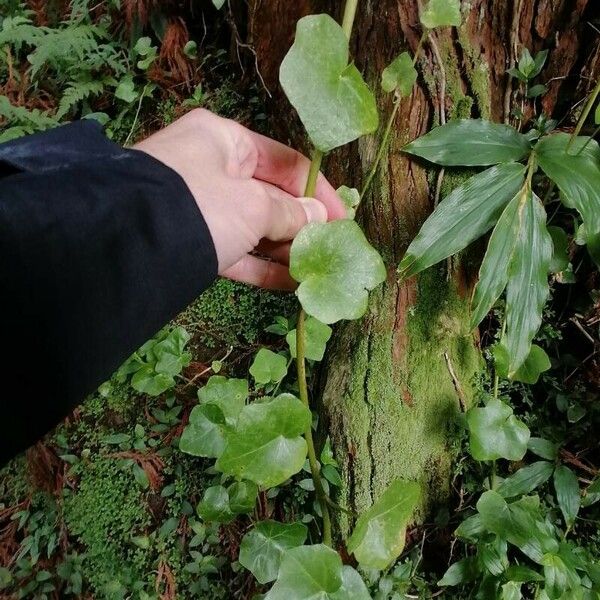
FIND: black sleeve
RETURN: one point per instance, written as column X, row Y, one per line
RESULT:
column 99, row 248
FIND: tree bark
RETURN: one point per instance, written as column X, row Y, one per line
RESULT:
column 389, row 383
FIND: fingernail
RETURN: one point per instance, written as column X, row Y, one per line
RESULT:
column 315, row 210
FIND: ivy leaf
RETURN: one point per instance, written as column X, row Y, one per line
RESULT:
column 317, row 335
column 462, row 571
column 336, row 267
column 205, row 433
column 262, row 547
column 463, row 216
column 400, row 75
column 526, row 479
column 379, row 534
column 577, row 175
column 567, row 493
column 229, row 395
column 494, row 432
column 242, row 497
column 267, row 446
column 441, row 13
column 527, row 288
column 268, row 367
column 316, row 572
column 148, row 381
column 335, row 105
column 470, row 143
column 214, row 505
column 351, row 199
column 170, row 355
column 536, row 363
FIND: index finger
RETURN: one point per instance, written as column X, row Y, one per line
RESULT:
column 288, row 169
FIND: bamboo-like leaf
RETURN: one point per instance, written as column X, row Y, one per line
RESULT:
column 463, row 216
column 567, row 493
column 471, row 143
column 527, row 288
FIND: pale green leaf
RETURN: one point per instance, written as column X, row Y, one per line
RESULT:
column 526, row 479
column 126, row 90
column 148, row 381
column 462, row 571
column 577, row 175
column 567, row 493
column 400, row 75
column 218, row 3
column 262, row 547
column 470, row 143
column 536, row 363
column 522, row 574
column 214, row 505
column 494, row 432
column 465, row 215
column 379, row 535
column 527, row 288
column 441, row 13
column 543, row 448
column 228, row 394
column 268, row 367
column 511, row 591
column 336, row 267
column 267, row 446
column 205, row 433
column 493, row 555
column 317, row 335
column 334, row 103
column 242, row 497
column 351, row 199
column 559, row 577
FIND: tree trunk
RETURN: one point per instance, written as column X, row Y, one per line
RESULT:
column 387, row 387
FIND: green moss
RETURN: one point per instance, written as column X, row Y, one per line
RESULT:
column 478, row 73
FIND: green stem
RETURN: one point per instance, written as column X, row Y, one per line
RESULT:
column 313, row 174
column 589, row 140
column 349, row 14
column 584, row 115
column 315, row 468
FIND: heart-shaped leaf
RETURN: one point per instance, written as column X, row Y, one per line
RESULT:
column 268, row 367
column 336, row 267
column 471, row 143
column 316, row 572
column 242, row 496
column 441, row 13
column 228, row 394
column 379, row 534
column 214, row 505
column 535, row 364
column 317, row 335
column 262, row 547
column 400, row 75
column 494, row 432
column 267, row 446
column 351, row 199
column 333, row 102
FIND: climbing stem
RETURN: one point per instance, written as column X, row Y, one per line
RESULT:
column 584, row 115
column 315, row 468
column 349, row 14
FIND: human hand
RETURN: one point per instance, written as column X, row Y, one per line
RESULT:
column 248, row 188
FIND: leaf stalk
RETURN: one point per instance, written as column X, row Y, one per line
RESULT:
column 584, row 115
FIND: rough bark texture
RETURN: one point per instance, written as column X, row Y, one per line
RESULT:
column 389, row 399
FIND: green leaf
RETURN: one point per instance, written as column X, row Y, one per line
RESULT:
column 351, row 199
column 214, row 505
column 335, row 105
column 536, row 363
column 526, row 63
column 527, row 288
column 519, row 523
column 266, row 446
column 126, row 90
column 242, row 497
column 229, row 395
column 471, row 528
column 539, row 62
column 493, row 274
column 470, row 143
column 218, row 3
column 522, row 574
column 511, row 591
column 462, row 571
column 526, row 479
column 316, row 572
column 336, row 267
column 147, row 381
column 559, row 577
column 592, row 493
column 493, row 556
column 597, row 115
column 577, row 175
column 462, row 217
column 169, row 353
column 379, row 535
column 268, row 367
column 536, row 90
column 543, row 448
column 567, row 493
column 317, row 335
column 494, row 432
column 441, row 13
column 400, row 75
column 262, row 547
column 560, row 256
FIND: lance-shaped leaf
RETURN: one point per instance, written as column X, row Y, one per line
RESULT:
column 317, row 335
column 316, row 572
column 441, row 13
column 494, row 432
column 336, row 267
column 400, row 75
column 465, row 215
column 493, row 274
column 268, row 367
column 577, row 175
column 567, row 493
column 262, row 547
column 527, row 288
column 471, row 143
column 267, row 446
column 379, row 535
column 526, row 480
column 335, row 105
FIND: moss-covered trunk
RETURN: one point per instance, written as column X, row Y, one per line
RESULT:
column 386, row 387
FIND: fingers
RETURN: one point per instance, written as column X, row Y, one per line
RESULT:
column 262, row 273
column 287, row 215
column 288, row 169
column 278, row 251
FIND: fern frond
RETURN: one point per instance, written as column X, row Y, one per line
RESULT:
column 18, row 120
column 19, row 31
column 76, row 93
